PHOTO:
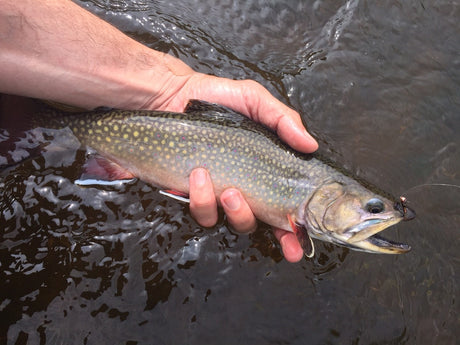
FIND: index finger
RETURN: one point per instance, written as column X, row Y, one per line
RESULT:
column 288, row 125
column 266, row 109
column 255, row 101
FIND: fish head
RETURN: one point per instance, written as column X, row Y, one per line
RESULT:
column 350, row 215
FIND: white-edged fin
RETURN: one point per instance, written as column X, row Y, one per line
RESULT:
column 96, row 182
column 176, row 195
column 99, row 168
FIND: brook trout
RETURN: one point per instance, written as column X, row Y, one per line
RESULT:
column 284, row 188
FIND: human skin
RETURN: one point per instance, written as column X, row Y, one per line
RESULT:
column 56, row 50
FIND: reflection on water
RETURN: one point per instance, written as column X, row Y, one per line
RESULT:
column 376, row 82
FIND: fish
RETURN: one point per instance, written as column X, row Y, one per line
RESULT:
column 297, row 192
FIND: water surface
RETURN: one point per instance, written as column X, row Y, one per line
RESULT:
column 377, row 83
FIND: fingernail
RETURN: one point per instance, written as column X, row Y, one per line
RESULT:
column 232, row 201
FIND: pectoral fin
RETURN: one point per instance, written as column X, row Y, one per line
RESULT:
column 98, row 170
column 303, row 237
column 101, row 168
column 176, row 195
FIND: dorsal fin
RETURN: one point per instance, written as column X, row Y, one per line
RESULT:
column 195, row 105
column 216, row 113
column 220, row 114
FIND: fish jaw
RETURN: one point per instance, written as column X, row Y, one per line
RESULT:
column 377, row 244
column 370, row 227
column 365, row 237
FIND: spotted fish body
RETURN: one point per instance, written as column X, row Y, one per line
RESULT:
column 283, row 188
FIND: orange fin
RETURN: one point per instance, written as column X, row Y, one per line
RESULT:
column 98, row 167
column 176, row 195
column 303, row 237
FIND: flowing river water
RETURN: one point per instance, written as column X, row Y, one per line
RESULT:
column 378, row 83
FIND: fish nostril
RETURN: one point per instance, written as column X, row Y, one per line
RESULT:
column 375, row 206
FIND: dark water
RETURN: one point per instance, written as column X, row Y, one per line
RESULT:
column 377, row 82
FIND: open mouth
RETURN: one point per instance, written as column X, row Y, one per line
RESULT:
column 365, row 236
column 378, row 244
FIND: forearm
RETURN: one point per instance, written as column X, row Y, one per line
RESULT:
column 54, row 49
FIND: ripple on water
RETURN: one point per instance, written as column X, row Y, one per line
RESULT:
column 377, row 82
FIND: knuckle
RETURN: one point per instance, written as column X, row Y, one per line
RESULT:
column 202, row 203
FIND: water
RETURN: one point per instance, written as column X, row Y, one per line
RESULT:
column 376, row 82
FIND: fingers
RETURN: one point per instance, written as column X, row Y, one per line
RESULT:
column 255, row 101
column 238, row 213
column 291, row 247
column 294, row 134
column 203, row 205
column 287, row 123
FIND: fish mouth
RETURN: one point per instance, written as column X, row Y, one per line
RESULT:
column 365, row 237
column 378, row 244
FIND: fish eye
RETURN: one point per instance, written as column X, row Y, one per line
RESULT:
column 375, row 206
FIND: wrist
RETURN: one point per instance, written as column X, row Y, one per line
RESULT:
column 87, row 64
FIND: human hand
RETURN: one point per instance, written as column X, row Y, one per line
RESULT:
column 253, row 100
column 84, row 66
column 245, row 96
column 203, row 207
